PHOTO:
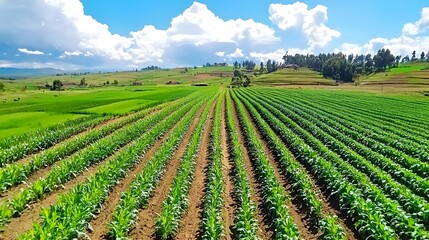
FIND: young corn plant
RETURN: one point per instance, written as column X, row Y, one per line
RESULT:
column 274, row 194
column 301, row 182
column 68, row 170
column 13, row 174
column 18, row 147
column 69, row 217
column 143, row 186
column 245, row 222
column 366, row 215
column 212, row 222
column 176, row 202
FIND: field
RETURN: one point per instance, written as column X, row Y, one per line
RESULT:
column 187, row 162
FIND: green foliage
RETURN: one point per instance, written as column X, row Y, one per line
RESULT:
column 56, row 85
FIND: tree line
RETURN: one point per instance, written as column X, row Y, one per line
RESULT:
column 347, row 68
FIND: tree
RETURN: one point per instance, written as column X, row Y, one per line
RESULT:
column 1, row 87
column 261, row 68
column 413, row 56
column 56, row 85
column 246, row 81
column 115, row 82
column 422, row 56
column 82, row 82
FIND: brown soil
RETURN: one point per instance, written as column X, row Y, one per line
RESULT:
column 329, row 205
column 189, row 224
column 265, row 230
column 227, row 175
column 145, row 228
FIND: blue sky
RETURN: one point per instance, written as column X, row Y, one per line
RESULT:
column 114, row 34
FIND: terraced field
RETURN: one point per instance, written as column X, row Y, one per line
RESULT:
column 257, row 163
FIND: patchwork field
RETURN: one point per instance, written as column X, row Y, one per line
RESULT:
column 219, row 163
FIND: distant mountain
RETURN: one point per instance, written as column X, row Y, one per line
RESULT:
column 27, row 72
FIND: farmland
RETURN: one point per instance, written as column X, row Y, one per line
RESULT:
column 219, row 163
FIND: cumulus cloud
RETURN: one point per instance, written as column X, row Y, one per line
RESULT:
column 310, row 21
column 62, row 26
column 403, row 46
column 26, row 51
column 238, row 53
column 419, row 26
column 220, row 54
column 277, row 55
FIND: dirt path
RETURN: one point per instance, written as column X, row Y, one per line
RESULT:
column 329, row 205
column 43, row 172
column 189, row 224
column 145, row 228
column 227, row 176
column 265, row 230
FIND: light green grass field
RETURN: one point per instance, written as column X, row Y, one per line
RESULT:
column 408, row 73
column 20, row 122
column 303, row 76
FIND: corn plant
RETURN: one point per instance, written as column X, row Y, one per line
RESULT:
column 300, row 181
column 245, row 222
column 381, row 206
column 69, row 217
column 69, row 169
column 176, row 202
column 274, row 193
column 144, row 184
column 415, row 205
column 13, row 174
column 212, row 222
column 17, row 147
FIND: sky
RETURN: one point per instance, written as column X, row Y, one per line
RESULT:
column 122, row 35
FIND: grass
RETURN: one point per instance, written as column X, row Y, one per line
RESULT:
column 303, row 76
column 408, row 73
column 17, row 123
column 33, row 108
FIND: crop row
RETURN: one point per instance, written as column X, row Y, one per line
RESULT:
column 360, row 210
column 245, row 222
column 381, row 141
column 405, row 132
column 177, row 201
column 14, row 174
column 69, row 169
column 273, row 192
column 69, row 217
column 301, row 182
column 144, row 184
column 212, row 224
column 21, row 146
column 404, row 225
column 415, row 205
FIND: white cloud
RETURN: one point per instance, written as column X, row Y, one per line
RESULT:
column 403, row 46
column 276, row 55
column 310, row 21
column 419, row 26
column 236, row 54
column 61, row 26
column 26, row 51
column 220, row 54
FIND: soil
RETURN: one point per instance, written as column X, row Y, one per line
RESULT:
column 229, row 203
column 145, row 228
column 189, row 225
